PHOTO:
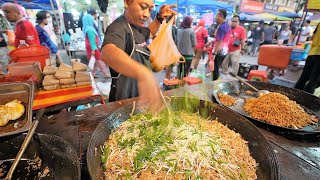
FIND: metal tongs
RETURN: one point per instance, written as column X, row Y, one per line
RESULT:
column 260, row 92
column 25, row 143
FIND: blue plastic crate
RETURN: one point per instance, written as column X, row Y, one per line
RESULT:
column 283, row 82
column 299, row 54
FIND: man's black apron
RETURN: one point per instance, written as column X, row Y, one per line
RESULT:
column 123, row 87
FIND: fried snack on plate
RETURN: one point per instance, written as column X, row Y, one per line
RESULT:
column 17, row 108
column 5, row 114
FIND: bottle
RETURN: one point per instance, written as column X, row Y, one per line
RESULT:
column 23, row 44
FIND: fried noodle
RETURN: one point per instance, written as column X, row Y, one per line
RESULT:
column 227, row 100
column 195, row 149
column 278, row 109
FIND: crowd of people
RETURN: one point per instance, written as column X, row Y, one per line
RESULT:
column 42, row 34
column 226, row 41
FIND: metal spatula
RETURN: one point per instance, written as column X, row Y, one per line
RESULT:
column 260, row 92
column 25, row 143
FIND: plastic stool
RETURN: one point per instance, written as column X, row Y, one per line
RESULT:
column 257, row 75
column 169, row 84
column 192, row 80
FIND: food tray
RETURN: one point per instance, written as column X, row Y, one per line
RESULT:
column 24, row 92
column 309, row 102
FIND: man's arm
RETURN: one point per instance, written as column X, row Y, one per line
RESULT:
column 149, row 91
column 118, row 60
column 165, row 11
column 262, row 36
column 154, row 27
column 217, row 47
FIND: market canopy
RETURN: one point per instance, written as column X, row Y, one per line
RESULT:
column 34, row 4
column 203, row 4
column 246, row 17
column 272, row 17
column 287, row 14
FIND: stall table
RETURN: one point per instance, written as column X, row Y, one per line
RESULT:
column 297, row 160
column 59, row 99
column 73, row 52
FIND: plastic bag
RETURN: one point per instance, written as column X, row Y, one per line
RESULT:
column 197, row 74
column 11, row 37
column 163, row 49
column 92, row 62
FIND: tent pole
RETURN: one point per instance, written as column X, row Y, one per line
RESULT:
column 55, row 16
column 178, row 18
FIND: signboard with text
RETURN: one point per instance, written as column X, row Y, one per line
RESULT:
column 271, row 8
column 313, row 4
column 252, row 6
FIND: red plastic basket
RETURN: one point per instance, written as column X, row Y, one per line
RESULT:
column 30, row 54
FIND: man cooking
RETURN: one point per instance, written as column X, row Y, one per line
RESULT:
column 124, row 50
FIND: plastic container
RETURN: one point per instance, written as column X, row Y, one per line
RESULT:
column 275, row 56
column 257, row 75
column 245, row 68
column 299, row 54
column 31, row 54
column 192, row 80
column 169, row 84
column 25, row 68
column 282, row 82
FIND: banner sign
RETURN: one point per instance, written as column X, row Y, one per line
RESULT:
column 313, row 4
column 271, row 7
column 252, row 6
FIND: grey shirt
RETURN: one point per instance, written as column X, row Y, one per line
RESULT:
column 186, row 41
column 268, row 33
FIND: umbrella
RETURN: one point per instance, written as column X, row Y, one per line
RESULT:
column 272, row 17
column 203, row 4
column 288, row 14
column 246, row 17
column 314, row 17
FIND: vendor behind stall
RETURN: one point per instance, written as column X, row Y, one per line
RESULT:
column 125, row 51
column 24, row 29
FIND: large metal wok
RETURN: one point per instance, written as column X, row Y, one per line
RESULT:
column 309, row 102
column 260, row 148
column 56, row 155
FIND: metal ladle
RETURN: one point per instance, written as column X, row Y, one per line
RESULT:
column 260, row 92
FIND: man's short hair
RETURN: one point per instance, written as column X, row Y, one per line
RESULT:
column 42, row 15
column 236, row 16
column 13, row 6
column 308, row 21
column 261, row 22
column 271, row 23
column 92, row 11
column 223, row 12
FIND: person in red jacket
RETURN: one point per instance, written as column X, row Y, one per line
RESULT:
column 24, row 29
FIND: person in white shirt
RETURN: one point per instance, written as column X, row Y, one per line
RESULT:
column 306, row 32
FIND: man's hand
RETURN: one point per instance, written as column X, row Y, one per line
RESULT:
column 93, row 53
column 149, row 92
column 166, row 10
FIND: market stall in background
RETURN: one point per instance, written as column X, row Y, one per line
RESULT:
column 253, row 126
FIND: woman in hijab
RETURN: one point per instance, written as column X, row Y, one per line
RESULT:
column 92, row 43
column 202, row 37
column 186, row 43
